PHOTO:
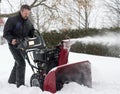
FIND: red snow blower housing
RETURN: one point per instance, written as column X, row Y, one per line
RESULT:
column 50, row 66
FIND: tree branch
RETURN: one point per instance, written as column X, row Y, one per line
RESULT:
column 32, row 5
column 8, row 15
column 35, row 5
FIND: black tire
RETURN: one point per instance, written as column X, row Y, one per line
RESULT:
column 37, row 80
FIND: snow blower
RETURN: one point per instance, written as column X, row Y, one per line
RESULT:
column 50, row 67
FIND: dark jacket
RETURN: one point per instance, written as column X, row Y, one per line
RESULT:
column 17, row 28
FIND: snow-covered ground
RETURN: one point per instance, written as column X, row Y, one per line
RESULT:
column 105, row 76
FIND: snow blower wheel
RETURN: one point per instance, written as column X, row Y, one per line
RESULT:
column 37, row 80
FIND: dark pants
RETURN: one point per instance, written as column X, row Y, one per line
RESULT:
column 17, row 75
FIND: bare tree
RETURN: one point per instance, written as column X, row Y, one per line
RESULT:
column 62, row 15
column 113, row 7
column 58, row 13
column 45, row 16
column 57, row 16
column 82, row 11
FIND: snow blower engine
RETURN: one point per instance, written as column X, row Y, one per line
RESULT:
column 49, row 66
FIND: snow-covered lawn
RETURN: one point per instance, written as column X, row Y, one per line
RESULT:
column 105, row 75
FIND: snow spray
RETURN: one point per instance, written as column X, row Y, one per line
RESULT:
column 106, row 39
column 110, row 40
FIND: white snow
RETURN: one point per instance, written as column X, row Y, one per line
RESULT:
column 105, row 75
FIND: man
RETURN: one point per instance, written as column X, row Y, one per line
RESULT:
column 17, row 28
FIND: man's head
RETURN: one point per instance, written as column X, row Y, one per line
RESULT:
column 25, row 11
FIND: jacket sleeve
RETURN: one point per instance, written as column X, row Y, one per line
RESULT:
column 7, row 30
